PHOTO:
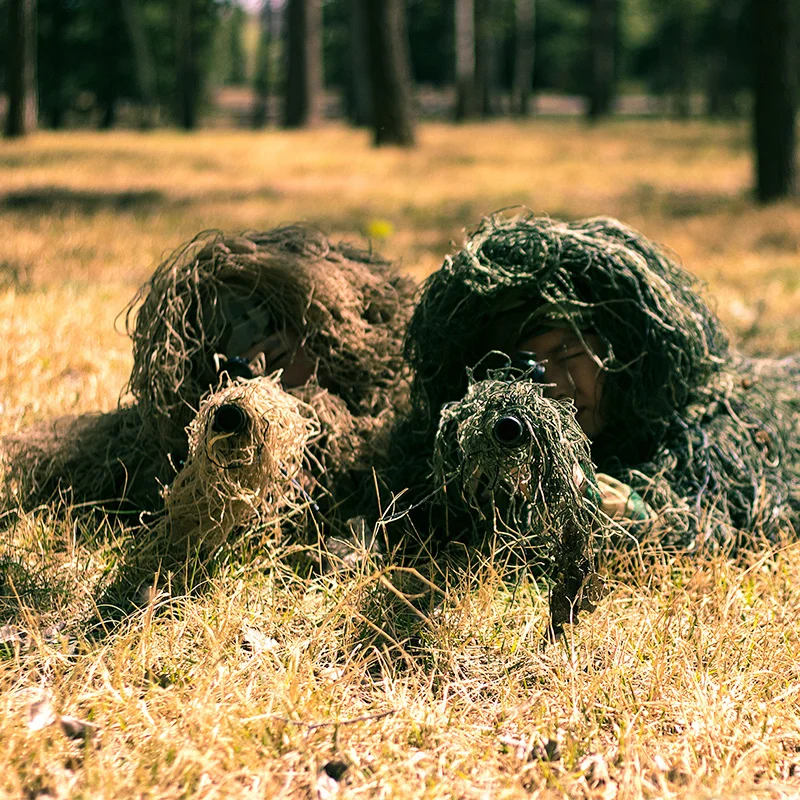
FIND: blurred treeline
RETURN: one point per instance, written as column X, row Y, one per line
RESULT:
column 379, row 63
column 687, row 56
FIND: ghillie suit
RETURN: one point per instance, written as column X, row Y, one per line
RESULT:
column 102, row 460
column 204, row 306
column 707, row 437
column 514, row 468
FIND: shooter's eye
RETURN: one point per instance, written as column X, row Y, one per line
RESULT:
column 510, row 431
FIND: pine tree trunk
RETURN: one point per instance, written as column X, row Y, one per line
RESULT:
column 187, row 74
column 466, row 95
column 775, row 107
column 262, row 79
column 525, row 13
column 486, row 59
column 720, row 89
column 602, row 50
column 682, row 65
column 359, row 99
column 390, row 72
column 143, row 62
column 21, row 117
column 303, row 90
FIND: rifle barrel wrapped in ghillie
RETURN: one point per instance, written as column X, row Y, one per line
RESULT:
column 246, row 470
column 706, row 436
column 248, row 447
column 519, row 466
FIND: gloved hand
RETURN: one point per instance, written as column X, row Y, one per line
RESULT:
column 617, row 500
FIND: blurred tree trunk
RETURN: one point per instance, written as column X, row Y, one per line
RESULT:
column 390, row 72
column 525, row 16
column 466, row 95
column 262, row 80
column 721, row 88
column 775, row 107
column 188, row 83
column 682, row 66
column 486, row 58
column 238, row 70
column 602, row 51
column 52, row 102
column 359, row 91
column 143, row 62
column 303, row 90
column 111, row 45
column 21, row 117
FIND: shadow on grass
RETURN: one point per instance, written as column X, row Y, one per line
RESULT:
column 648, row 199
column 51, row 199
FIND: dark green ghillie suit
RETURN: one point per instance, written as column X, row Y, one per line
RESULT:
column 707, row 437
column 207, row 303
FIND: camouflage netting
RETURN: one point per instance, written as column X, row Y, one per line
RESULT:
column 344, row 309
column 709, row 438
column 521, row 463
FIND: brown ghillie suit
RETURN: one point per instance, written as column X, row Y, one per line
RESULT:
column 346, row 307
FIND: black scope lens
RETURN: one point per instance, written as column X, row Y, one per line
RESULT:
column 229, row 418
column 237, row 367
column 510, row 431
column 526, row 361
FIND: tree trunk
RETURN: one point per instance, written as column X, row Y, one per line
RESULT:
column 143, row 62
column 775, row 108
column 682, row 64
column 486, row 60
column 525, row 12
column 262, row 80
column 466, row 95
column 21, row 117
column 359, row 100
column 303, row 101
column 390, row 72
column 52, row 100
column 602, row 50
column 186, row 67
column 721, row 87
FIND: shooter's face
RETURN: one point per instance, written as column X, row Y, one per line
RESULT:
column 283, row 350
column 571, row 368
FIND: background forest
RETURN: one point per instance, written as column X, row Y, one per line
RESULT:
column 384, row 63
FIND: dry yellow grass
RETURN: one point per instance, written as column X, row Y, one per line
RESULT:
column 685, row 681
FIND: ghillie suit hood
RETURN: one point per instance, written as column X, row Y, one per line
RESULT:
column 346, row 307
column 684, row 424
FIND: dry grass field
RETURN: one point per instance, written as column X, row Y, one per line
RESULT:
column 684, row 683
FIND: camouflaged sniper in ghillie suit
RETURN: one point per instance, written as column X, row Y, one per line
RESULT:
column 706, row 436
column 209, row 302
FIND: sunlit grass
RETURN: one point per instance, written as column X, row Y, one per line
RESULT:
column 685, row 681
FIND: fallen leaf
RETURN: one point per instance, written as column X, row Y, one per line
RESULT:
column 76, row 728
column 257, row 642
column 41, row 714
